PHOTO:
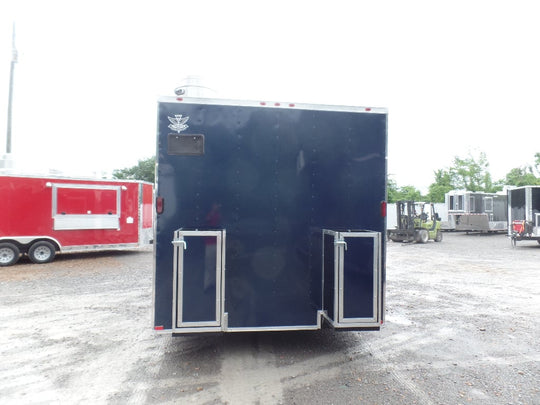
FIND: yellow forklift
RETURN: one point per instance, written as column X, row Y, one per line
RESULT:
column 416, row 222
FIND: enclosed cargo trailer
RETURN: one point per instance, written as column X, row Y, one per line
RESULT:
column 476, row 211
column 524, row 213
column 270, row 216
column 40, row 216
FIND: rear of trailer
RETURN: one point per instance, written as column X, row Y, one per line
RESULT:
column 270, row 216
column 524, row 213
column 40, row 216
column 476, row 211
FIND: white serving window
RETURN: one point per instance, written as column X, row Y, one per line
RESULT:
column 85, row 206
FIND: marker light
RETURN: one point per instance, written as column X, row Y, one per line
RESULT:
column 160, row 205
column 383, row 209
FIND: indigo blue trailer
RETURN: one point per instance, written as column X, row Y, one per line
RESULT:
column 270, row 216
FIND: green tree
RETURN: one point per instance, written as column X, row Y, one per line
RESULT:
column 472, row 174
column 520, row 176
column 442, row 185
column 409, row 193
column 528, row 175
column 144, row 170
column 396, row 193
column 392, row 190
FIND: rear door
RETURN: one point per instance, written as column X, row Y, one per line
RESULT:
column 353, row 284
column 198, row 274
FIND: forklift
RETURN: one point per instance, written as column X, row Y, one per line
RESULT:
column 416, row 222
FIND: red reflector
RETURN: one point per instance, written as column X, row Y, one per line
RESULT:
column 159, row 205
column 263, row 103
column 179, row 99
column 518, row 226
column 368, row 109
column 291, row 105
column 383, row 209
column 159, row 327
column 277, row 104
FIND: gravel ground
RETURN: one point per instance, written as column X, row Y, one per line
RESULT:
column 461, row 328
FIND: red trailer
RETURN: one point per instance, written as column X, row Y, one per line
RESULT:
column 40, row 216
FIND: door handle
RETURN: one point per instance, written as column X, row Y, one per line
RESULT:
column 180, row 242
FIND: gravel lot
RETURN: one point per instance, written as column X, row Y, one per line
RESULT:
column 462, row 327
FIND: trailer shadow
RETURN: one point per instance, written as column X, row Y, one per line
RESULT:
column 184, row 354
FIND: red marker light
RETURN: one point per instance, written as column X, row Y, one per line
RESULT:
column 263, row 103
column 291, row 105
column 160, row 205
column 277, row 104
column 368, row 109
column 383, row 209
column 179, row 99
column 159, row 327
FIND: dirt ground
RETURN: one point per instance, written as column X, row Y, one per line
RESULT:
column 462, row 327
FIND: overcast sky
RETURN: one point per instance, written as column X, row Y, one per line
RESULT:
column 457, row 77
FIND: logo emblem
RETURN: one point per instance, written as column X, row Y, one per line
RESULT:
column 178, row 123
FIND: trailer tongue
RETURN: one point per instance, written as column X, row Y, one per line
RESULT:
column 269, row 216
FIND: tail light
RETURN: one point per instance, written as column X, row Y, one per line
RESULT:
column 159, row 205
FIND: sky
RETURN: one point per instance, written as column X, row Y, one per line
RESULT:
column 457, row 78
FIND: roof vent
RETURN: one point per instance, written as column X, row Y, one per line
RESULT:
column 193, row 86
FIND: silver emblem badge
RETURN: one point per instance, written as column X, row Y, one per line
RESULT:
column 178, row 123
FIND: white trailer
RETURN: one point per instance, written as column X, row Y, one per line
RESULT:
column 524, row 213
column 476, row 211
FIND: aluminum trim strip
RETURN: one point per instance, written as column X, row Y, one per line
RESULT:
column 272, row 104
column 178, row 276
column 86, row 248
column 376, row 288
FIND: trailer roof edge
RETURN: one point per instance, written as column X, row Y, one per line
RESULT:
column 272, row 104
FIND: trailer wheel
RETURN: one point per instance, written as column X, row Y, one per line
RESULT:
column 422, row 236
column 42, row 252
column 9, row 254
column 438, row 237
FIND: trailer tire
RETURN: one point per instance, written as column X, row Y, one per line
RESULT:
column 422, row 236
column 9, row 254
column 42, row 252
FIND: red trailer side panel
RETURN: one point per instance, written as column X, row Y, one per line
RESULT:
column 74, row 212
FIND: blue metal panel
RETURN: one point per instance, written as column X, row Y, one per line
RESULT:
column 276, row 174
column 358, row 278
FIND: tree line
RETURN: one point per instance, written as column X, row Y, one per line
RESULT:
column 469, row 173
